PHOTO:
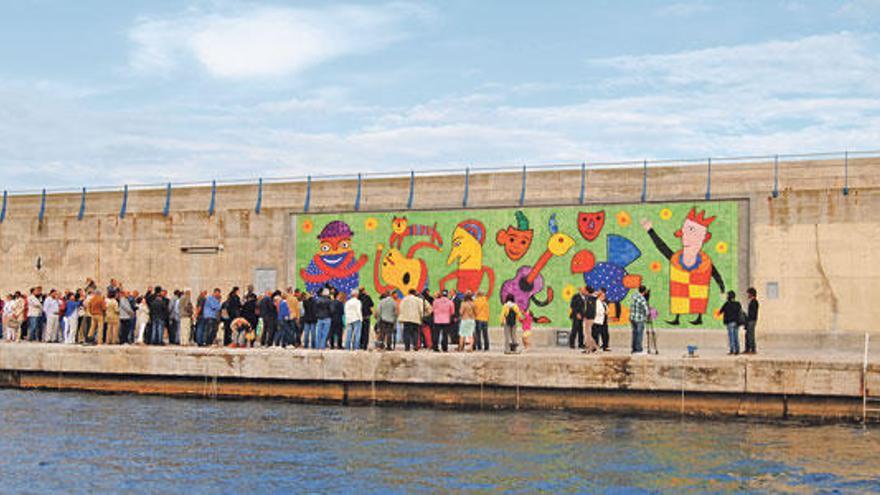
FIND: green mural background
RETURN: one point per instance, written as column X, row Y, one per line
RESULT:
column 374, row 228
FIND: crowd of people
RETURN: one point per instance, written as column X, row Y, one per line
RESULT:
column 325, row 319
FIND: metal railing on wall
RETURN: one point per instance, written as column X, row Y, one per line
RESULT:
column 468, row 173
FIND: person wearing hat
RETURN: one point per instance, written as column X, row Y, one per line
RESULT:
column 444, row 309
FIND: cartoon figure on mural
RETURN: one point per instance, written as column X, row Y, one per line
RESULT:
column 690, row 268
column 467, row 250
column 335, row 263
column 400, row 229
column 590, row 224
column 516, row 240
column 528, row 282
column 400, row 272
column 610, row 275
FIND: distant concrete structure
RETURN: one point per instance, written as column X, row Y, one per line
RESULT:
column 809, row 250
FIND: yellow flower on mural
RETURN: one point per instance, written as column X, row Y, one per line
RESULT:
column 568, row 292
column 665, row 214
column 307, row 226
column 623, row 219
column 655, row 266
column 717, row 314
column 371, row 223
column 721, row 247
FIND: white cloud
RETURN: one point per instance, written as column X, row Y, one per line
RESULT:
column 266, row 41
column 860, row 10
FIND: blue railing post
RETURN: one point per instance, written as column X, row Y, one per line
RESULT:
column 467, row 185
column 357, row 199
column 166, row 210
column 644, row 180
column 522, row 191
column 846, row 173
column 82, row 205
column 709, row 180
column 124, row 201
column 583, row 182
column 308, row 194
column 412, row 184
column 776, row 176
column 213, row 198
column 259, row 205
column 3, row 211
column 42, row 205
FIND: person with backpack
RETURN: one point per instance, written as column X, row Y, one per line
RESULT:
column 732, row 313
column 510, row 315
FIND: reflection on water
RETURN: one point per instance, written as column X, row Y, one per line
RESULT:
column 70, row 442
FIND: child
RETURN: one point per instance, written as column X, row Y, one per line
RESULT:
column 527, row 329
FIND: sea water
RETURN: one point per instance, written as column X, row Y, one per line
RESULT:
column 90, row 443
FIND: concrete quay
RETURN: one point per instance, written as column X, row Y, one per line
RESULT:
column 809, row 387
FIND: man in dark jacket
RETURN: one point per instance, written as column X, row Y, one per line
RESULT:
column 751, row 320
column 233, row 311
column 577, row 308
column 366, row 312
column 158, row 305
column 269, row 313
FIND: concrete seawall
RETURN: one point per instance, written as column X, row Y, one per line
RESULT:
column 812, row 389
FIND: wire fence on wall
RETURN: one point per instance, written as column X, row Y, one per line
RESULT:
column 467, row 173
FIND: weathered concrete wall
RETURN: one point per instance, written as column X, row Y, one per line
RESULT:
column 813, row 241
column 759, row 387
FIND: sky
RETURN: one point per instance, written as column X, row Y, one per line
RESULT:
column 107, row 92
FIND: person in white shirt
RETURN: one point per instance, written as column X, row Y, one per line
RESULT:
column 50, row 307
column 600, row 324
column 353, row 322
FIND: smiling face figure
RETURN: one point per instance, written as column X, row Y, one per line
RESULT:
column 516, row 242
column 334, row 250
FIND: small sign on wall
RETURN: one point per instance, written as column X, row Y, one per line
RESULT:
column 265, row 279
column 772, row 290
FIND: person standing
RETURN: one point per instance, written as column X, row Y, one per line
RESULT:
column 337, row 319
column 751, row 320
column 293, row 302
column 174, row 318
column 112, row 317
column 211, row 319
column 468, row 313
column 282, row 334
column 366, row 313
column 353, row 321
column 638, row 315
column 158, row 316
column 309, row 322
column 126, row 318
column 600, row 323
column 411, row 315
column 233, row 311
column 590, row 300
column 71, row 318
column 51, row 308
column 143, row 319
column 96, row 308
column 510, row 315
column 34, row 315
column 386, row 319
column 731, row 312
column 481, row 325
column 443, row 310
column 269, row 313
column 185, row 306
column 323, row 318
column 577, row 306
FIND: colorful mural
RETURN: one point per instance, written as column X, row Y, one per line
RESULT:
column 686, row 253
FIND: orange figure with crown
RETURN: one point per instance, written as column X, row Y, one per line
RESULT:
column 690, row 268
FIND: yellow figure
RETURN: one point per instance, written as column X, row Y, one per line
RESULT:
column 400, row 272
column 467, row 250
